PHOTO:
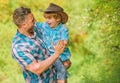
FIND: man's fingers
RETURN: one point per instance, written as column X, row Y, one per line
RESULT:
column 53, row 44
column 61, row 43
column 59, row 47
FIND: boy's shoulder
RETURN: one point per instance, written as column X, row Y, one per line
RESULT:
column 63, row 27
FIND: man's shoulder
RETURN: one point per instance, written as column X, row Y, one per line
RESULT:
column 16, row 37
column 16, row 40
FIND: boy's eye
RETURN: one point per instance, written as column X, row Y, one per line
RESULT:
column 48, row 17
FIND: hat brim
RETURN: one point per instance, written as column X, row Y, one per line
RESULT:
column 64, row 16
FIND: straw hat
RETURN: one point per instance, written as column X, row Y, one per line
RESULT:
column 57, row 9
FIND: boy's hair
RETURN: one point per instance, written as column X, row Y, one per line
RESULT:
column 52, row 14
column 20, row 14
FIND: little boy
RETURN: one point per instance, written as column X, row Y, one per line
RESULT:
column 54, row 30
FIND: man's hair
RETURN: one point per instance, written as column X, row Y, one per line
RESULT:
column 20, row 14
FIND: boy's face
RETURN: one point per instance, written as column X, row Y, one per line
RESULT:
column 52, row 21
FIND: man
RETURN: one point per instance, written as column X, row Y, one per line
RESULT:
column 30, row 52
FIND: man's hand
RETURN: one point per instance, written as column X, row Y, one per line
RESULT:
column 59, row 48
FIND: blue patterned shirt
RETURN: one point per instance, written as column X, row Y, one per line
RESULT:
column 25, row 50
column 53, row 35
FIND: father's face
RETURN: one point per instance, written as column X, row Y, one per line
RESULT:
column 29, row 23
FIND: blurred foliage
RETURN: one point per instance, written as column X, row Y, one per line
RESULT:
column 94, row 39
column 106, row 14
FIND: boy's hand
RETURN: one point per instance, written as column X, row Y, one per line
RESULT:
column 67, row 63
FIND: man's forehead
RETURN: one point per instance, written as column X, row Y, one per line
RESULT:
column 30, row 16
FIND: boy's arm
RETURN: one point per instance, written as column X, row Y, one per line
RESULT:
column 65, row 35
column 38, row 24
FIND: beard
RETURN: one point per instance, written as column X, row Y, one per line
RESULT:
column 31, row 30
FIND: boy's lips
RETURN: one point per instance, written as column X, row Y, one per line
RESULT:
column 49, row 23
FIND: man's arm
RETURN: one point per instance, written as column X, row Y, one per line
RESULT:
column 40, row 67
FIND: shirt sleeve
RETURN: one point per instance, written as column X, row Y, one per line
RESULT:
column 64, row 33
column 38, row 24
column 22, row 55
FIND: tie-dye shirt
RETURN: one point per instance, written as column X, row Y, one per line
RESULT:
column 53, row 35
